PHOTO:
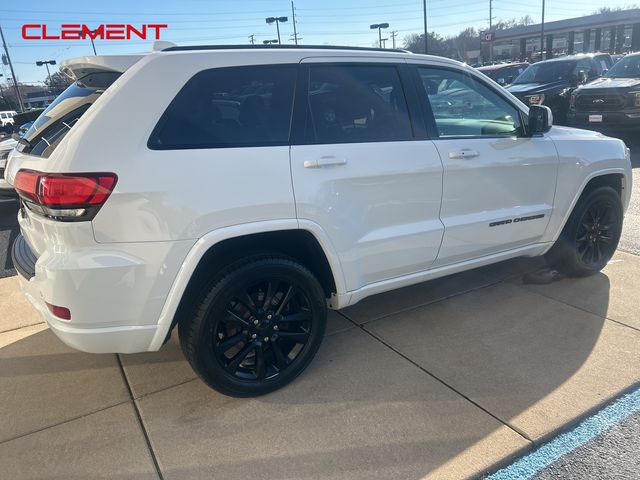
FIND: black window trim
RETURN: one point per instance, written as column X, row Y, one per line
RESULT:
column 301, row 111
column 430, row 117
column 163, row 118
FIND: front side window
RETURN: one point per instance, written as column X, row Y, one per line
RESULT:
column 229, row 107
column 583, row 66
column 462, row 106
column 356, row 103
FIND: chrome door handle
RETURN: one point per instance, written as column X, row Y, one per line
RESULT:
column 325, row 162
column 464, row 153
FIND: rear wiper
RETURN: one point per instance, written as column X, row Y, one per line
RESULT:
column 22, row 140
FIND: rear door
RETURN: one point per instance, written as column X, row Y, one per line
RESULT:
column 363, row 169
column 498, row 185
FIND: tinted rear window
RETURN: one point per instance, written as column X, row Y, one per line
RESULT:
column 357, row 103
column 229, row 107
column 57, row 120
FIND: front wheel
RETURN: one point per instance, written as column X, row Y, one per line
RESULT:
column 256, row 327
column 590, row 236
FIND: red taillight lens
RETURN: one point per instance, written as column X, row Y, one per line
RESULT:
column 26, row 182
column 61, row 312
column 65, row 196
column 65, row 191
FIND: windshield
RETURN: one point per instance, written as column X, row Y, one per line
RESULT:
column 546, row 72
column 628, row 67
column 53, row 124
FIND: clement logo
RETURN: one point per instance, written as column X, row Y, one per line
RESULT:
column 77, row 31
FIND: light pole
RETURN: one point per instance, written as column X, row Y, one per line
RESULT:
column 379, row 27
column 542, row 54
column 46, row 63
column 424, row 13
column 277, row 21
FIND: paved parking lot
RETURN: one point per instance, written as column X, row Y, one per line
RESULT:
column 447, row 379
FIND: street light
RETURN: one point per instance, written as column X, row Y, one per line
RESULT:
column 277, row 21
column 379, row 27
column 46, row 63
column 267, row 42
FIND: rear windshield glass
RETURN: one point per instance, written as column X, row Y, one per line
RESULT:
column 53, row 124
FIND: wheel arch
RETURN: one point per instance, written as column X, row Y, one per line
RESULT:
column 617, row 178
column 305, row 242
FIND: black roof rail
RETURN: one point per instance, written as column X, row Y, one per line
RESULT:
column 281, row 47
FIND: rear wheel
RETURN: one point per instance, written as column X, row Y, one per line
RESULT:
column 256, row 327
column 591, row 235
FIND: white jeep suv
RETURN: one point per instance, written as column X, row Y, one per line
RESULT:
column 239, row 192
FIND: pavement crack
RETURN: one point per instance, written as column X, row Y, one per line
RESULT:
column 438, row 379
column 605, row 317
column 152, row 453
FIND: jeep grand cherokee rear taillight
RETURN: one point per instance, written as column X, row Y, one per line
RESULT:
column 69, row 197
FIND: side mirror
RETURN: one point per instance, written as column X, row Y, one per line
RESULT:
column 540, row 119
column 582, row 76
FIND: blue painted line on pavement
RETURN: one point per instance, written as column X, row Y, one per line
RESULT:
column 527, row 466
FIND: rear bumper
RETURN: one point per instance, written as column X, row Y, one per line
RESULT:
column 128, row 339
column 114, row 298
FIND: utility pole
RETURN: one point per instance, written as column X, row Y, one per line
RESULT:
column 252, row 39
column 394, row 34
column 13, row 74
column 293, row 15
column 490, row 27
column 424, row 13
column 542, row 36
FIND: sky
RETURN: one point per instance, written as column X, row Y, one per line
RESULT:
column 190, row 22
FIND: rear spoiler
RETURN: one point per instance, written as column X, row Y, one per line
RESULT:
column 78, row 67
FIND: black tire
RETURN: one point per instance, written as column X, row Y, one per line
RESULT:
column 270, row 311
column 591, row 235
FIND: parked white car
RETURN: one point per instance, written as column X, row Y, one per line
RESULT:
column 6, row 117
column 238, row 193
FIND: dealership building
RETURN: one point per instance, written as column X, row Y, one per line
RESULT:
column 614, row 32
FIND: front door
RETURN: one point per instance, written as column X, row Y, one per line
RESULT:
column 499, row 185
column 360, row 173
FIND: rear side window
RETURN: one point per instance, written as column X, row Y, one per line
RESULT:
column 57, row 120
column 356, row 103
column 229, row 107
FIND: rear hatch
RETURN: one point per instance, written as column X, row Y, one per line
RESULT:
column 41, row 228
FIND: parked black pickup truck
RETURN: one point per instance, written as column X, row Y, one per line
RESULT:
column 611, row 102
column 551, row 82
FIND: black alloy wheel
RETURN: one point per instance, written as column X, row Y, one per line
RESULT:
column 591, row 235
column 595, row 238
column 256, row 327
column 263, row 329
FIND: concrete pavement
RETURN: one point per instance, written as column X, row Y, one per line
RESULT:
column 448, row 379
